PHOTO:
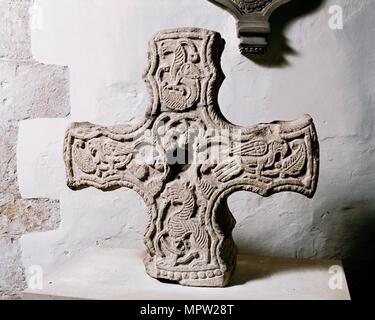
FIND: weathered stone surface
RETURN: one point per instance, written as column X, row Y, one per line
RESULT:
column 12, row 278
column 46, row 97
column 28, row 89
column 16, row 218
column 340, row 86
column 8, row 178
column 185, row 159
column 26, row 215
column 14, row 29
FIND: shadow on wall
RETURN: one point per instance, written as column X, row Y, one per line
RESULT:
column 359, row 262
column 347, row 232
column 344, row 228
column 279, row 48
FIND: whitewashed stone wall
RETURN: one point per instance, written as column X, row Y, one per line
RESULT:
column 28, row 89
column 311, row 69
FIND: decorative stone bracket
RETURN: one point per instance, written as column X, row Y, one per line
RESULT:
column 185, row 159
column 253, row 25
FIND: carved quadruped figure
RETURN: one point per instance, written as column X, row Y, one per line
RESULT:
column 185, row 159
column 253, row 26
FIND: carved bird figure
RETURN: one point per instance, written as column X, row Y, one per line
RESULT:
column 102, row 157
column 252, row 157
column 294, row 164
column 183, row 88
column 258, row 155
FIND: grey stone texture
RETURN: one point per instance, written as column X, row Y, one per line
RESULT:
column 28, row 89
column 252, row 17
column 187, row 179
column 14, row 29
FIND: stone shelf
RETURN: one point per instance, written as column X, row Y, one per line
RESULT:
column 119, row 274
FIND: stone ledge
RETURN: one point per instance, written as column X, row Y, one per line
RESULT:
column 119, row 274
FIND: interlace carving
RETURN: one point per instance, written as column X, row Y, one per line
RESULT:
column 184, row 159
column 250, row 6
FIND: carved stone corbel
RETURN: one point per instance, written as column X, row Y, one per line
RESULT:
column 253, row 24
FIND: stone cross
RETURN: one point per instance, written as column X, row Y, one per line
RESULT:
column 184, row 159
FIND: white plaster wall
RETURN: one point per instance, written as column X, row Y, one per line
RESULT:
column 331, row 75
column 28, row 89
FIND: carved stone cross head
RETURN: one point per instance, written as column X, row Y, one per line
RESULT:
column 184, row 159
